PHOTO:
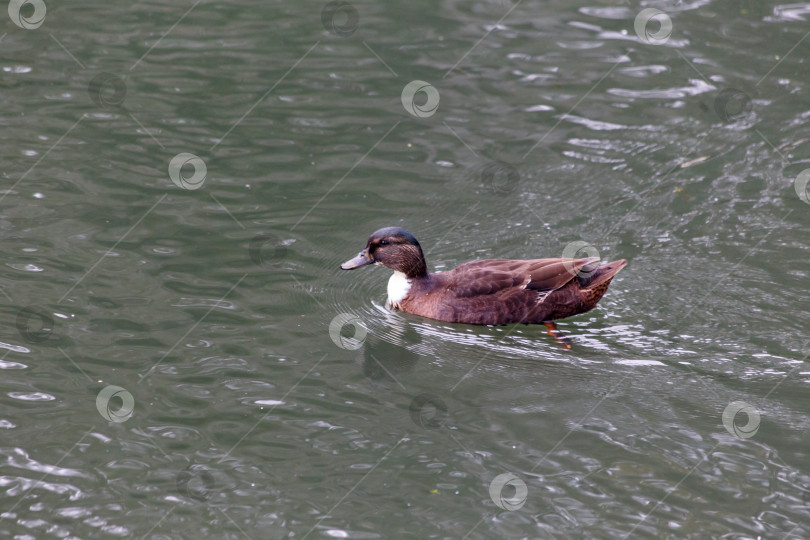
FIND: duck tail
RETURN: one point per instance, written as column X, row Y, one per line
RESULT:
column 594, row 275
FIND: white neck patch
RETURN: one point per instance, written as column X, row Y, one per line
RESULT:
column 398, row 287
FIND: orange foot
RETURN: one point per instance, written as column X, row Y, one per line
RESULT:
column 554, row 332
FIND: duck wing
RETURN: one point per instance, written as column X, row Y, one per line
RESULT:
column 492, row 276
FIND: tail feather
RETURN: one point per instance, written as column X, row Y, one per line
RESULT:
column 594, row 275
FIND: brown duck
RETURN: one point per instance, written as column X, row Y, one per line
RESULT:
column 492, row 291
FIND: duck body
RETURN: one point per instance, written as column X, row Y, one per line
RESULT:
column 491, row 291
column 502, row 291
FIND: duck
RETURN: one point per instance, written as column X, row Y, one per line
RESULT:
column 486, row 292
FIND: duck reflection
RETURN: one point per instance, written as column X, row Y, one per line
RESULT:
column 388, row 349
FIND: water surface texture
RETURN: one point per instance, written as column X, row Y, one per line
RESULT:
column 183, row 358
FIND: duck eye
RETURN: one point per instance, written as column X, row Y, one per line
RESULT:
column 383, row 242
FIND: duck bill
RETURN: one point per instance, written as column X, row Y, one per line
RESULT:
column 362, row 259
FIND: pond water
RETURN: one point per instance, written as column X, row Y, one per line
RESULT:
column 183, row 358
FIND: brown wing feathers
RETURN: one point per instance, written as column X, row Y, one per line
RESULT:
column 551, row 274
column 494, row 275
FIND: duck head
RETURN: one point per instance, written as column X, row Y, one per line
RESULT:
column 395, row 248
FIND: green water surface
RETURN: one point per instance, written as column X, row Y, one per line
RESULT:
column 182, row 357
